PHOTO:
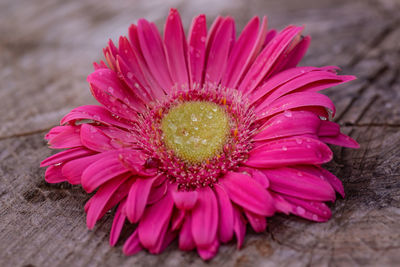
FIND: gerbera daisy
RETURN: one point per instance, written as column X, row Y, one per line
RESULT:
column 197, row 136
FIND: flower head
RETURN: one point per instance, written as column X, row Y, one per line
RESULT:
column 196, row 137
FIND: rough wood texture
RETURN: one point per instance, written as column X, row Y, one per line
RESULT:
column 46, row 51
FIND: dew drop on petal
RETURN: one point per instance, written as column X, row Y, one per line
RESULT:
column 129, row 75
column 300, row 210
column 284, row 148
column 93, row 130
column 287, row 113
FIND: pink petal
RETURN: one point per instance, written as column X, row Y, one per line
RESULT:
column 257, row 222
column 186, row 241
column 340, row 140
column 324, row 175
column 153, row 53
column 315, row 211
column 54, row 175
column 64, row 137
column 270, row 36
column 133, row 68
column 298, row 52
column 100, row 65
column 132, row 244
column 100, row 199
column 328, row 128
column 333, row 180
column 66, row 155
column 110, row 52
column 134, row 161
column 73, row 169
column 289, row 123
column 248, row 193
column 102, row 170
column 218, row 51
column 277, row 81
column 225, row 224
column 95, row 113
column 210, row 251
column 239, row 227
column 197, row 48
column 155, row 220
column 137, row 198
column 111, row 93
column 257, row 175
column 297, row 183
column 205, row 218
column 153, row 87
column 185, row 200
column 137, row 87
column 178, row 217
column 157, row 193
column 296, row 100
column 281, row 204
column 93, row 138
column 283, row 152
column 118, row 223
column 176, row 48
column 166, row 239
column 312, row 81
column 244, row 51
column 268, row 57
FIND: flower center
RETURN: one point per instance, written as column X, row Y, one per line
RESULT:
column 195, row 130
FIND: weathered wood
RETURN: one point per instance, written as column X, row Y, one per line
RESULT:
column 46, row 51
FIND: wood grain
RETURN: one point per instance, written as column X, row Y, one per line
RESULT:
column 46, row 51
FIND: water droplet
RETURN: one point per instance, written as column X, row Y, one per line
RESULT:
column 300, row 210
column 203, row 39
column 172, row 127
column 287, row 113
column 193, row 117
column 284, row 148
column 93, row 130
column 204, row 141
column 315, row 217
column 299, row 141
column 178, row 140
column 129, row 75
column 137, row 85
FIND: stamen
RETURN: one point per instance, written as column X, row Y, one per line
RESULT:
column 195, row 130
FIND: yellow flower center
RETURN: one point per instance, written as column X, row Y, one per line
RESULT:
column 195, row 130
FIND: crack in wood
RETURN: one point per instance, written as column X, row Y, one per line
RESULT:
column 24, row 134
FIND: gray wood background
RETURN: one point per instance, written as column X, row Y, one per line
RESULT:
column 46, row 51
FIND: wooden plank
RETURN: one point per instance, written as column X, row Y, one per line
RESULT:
column 46, row 51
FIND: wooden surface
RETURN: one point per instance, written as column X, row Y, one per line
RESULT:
column 46, row 51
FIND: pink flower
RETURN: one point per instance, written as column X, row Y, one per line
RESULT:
column 196, row 137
